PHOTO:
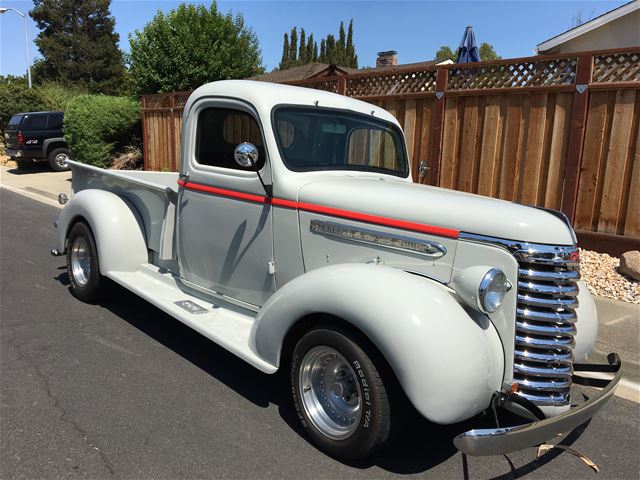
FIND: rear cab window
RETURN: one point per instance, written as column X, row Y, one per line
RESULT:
column 14, row 122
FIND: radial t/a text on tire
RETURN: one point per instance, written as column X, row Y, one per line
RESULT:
column 340, row 396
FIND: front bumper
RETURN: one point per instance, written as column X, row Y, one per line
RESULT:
column 497, row 441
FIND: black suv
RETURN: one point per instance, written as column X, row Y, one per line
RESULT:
column 37, row 136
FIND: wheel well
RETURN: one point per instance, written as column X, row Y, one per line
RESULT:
column 54, row 145
column 74, row 220
column 326, row 320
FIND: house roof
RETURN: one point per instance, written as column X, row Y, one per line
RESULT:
column 302, row 72
column 588, row 26
column 317, row 70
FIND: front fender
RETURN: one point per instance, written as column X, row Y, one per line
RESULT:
column 448, row 359
column 117, row 229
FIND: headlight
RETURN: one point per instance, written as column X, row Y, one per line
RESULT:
column 493, row 287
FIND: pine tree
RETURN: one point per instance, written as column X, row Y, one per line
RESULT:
column 293, row 48
column 340, row 52
column 341, row 56
column 284, row 61
column 310, row 49
column 302, row 53
column 352, row 58
column 78, row 44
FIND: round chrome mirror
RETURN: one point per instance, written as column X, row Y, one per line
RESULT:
column 246, row 154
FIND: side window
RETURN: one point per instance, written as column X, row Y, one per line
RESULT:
column 54, row 122
column 220, row 131
column 35, row 122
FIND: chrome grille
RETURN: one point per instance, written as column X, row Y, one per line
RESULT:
column 545, row 322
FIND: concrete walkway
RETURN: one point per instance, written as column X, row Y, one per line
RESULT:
column 37, row 182
column 619, row 322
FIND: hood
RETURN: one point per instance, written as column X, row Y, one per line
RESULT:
column 438, row 207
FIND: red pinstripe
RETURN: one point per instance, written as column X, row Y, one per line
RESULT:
column 331, row 211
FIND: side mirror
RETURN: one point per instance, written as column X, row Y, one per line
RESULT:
column 246, row 154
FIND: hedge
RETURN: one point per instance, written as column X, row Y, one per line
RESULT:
column 98, row 126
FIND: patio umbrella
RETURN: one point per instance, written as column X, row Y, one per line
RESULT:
column 468, row 51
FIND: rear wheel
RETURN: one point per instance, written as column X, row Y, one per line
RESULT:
column 85, row 280
column 340, row 396
column 58, row 159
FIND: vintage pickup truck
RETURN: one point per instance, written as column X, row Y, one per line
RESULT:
column 294, row 237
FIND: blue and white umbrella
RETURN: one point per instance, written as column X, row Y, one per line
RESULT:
column 468, row 51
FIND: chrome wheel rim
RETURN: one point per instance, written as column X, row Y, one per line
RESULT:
column 330, row 392
column 61, row 159
column 80, row 261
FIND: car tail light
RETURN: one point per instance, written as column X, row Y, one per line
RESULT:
column 20, row 139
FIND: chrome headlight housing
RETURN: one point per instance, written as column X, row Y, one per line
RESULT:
column 493, row 287
column 482, row 287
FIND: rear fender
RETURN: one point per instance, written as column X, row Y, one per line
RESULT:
column 116, row 226
column 448, row 359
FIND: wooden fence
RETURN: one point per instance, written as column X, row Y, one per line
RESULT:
column 554, row 131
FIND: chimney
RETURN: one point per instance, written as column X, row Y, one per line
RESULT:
column 387, row 59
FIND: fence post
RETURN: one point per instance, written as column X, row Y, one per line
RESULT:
column 342, row 86
column 437, row 127
column 173, row 161
column 576, row 136
column 145, row 140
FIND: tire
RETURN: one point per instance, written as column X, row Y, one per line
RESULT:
column 58, row 159
column 85, row 281
column 354, row 419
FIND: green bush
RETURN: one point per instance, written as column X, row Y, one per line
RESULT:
column 55, row 96
column 16, row 97
column 98, row 126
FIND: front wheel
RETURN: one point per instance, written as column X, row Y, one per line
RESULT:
column 340, row 396
column 58, row 159
column 86, row 283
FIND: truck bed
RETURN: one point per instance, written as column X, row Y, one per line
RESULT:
column 153, row 194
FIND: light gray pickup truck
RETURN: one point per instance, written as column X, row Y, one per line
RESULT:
column 294, row 237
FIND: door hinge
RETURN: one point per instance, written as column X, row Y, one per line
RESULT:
column 272, row 267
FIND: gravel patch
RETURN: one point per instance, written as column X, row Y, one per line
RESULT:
column 599, row 272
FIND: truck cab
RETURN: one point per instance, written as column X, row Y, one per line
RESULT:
column 294, row 237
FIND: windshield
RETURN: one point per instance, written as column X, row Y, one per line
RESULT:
column 327, row 139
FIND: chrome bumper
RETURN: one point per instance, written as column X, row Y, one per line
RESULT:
column 496, row 441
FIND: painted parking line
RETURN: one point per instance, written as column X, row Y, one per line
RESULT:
column 613, row 321
column 33, row 195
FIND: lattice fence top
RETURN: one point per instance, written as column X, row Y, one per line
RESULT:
column 560, row 71
column 326, row 85
column 620, row 67
column 392, row 83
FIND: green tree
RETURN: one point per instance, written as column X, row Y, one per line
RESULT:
column 302, row 53
column 189, row 46
column 445, row 53
column 352, row 58
column 293, row 49
column 284, row 61
column 340, row 52
column 78, row 44
column 487, row 53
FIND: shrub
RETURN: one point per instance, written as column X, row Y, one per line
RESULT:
column 55, row 96
column 16, row 97
column 98, row 126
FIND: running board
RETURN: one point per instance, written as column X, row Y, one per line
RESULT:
column 223, row 325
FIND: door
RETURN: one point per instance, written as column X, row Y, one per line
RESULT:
column 34, row 131
column 225, row 236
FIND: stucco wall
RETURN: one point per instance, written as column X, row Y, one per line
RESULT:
column 621, row 32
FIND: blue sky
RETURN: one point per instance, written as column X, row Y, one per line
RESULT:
column 415, row 29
